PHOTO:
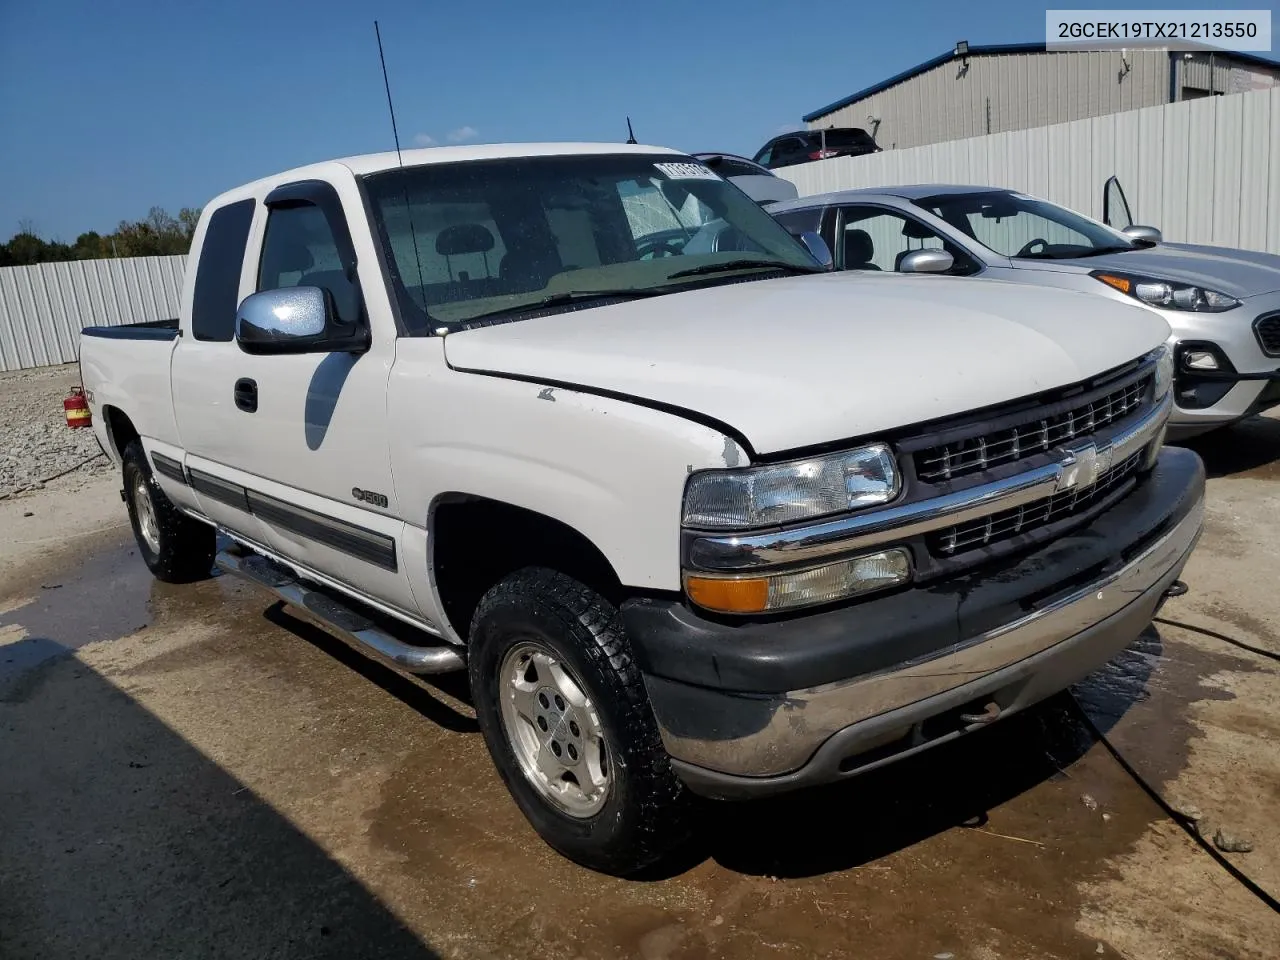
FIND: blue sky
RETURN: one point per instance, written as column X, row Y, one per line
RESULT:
column 109, row 108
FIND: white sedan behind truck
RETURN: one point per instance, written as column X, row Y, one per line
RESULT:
column 715, row 522
column 1222, row 305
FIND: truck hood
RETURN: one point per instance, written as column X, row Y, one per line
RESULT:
column 797, row 361
column 1237, row 273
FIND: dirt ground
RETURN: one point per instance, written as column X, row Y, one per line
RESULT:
column 191, row 772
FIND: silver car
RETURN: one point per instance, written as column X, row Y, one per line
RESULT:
column 1223, row 305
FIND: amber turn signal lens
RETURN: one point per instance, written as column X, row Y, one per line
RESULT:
column 1120, row 283
column 729, row 596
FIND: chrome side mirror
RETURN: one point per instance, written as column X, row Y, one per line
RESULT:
column 926, row 261
column 1138, row 232
column 295, row 320
column 817, row 248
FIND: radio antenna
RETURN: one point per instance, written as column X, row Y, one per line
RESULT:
column 395, row 133
column 631, row 137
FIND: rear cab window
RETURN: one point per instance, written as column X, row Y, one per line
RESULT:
column 217, row 290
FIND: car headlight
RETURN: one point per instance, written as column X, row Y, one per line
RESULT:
column 739, row 499
column 1166, row 294
column 1163, row 355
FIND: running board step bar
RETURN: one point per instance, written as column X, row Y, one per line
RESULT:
column 337, row 618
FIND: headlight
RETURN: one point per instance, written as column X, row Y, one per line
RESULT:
column 798, row 490
column 1166, row 294
column 1164, row 369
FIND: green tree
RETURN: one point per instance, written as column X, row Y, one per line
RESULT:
column 158, row 234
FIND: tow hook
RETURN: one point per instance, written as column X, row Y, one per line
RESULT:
column 1176, row 589
column 990, row 713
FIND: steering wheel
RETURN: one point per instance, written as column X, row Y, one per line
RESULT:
column 653, row 249
column 1029, row 247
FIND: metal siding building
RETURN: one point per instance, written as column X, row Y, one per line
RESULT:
column 1203, row 171
column 44, row 307
column 996, row 89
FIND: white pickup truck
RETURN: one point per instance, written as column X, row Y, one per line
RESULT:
column 700, row 518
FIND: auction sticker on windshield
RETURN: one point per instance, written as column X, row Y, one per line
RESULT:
column 686, row 171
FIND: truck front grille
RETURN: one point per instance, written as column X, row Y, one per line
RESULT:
column 950, row 541
column 1033, row 435
column 1267, row 330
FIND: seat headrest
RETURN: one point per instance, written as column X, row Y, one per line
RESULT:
column 915, row 230
column 858, row 247
column 464, row 238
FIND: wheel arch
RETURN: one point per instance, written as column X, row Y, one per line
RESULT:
column 474, row 541
column 120, row 429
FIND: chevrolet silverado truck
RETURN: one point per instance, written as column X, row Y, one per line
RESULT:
column 704, row 519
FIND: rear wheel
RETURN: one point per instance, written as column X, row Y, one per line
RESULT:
column 176, row 548
column 567, row 721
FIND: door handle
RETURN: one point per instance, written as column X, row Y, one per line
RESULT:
column 246, row 394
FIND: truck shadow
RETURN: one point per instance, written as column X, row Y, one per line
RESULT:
column 1250, row 448
column 958, row 784
column 122, row 840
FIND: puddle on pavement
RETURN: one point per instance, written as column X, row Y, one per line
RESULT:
column 1140, row 699
column 103, row 594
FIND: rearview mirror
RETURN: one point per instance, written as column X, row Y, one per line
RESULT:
column 1138, row 232
column 817, row 248
column 998, row 211
column 926, row 261
column 295, row 320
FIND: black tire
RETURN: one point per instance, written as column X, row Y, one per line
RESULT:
column 186, row 546
column 647, row 812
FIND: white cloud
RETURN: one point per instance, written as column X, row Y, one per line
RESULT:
column 461, row 134
column 423, row 140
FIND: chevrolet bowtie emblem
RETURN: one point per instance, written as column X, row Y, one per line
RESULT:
column 1082, row 464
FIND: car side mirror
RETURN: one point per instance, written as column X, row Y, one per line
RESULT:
column 817, row 248
column 295, row 320
column 1142, row 234
column 926, row 261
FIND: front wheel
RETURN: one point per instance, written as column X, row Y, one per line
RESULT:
column 566, row 718
column 176, row 548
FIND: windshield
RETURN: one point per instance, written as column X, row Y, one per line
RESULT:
column 1015, row 225
column 465, row 241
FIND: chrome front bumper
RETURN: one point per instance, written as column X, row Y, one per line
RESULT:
column 1111, row 610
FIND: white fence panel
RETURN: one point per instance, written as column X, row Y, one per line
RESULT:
column 44, row 307
column 1203, row 171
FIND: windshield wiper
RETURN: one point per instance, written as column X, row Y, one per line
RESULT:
column 565, row 298
column 1113, row 248
column 744, row 265
column 1074, row 255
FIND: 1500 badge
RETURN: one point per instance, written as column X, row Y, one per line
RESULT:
column 369, row 497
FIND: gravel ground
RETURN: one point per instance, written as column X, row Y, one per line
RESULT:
column 35, row 441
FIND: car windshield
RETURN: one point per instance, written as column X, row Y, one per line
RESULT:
column 488, row 238
column 1015, row 225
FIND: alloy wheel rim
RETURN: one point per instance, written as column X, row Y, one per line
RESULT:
column 148, row 524
column 554, row 730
